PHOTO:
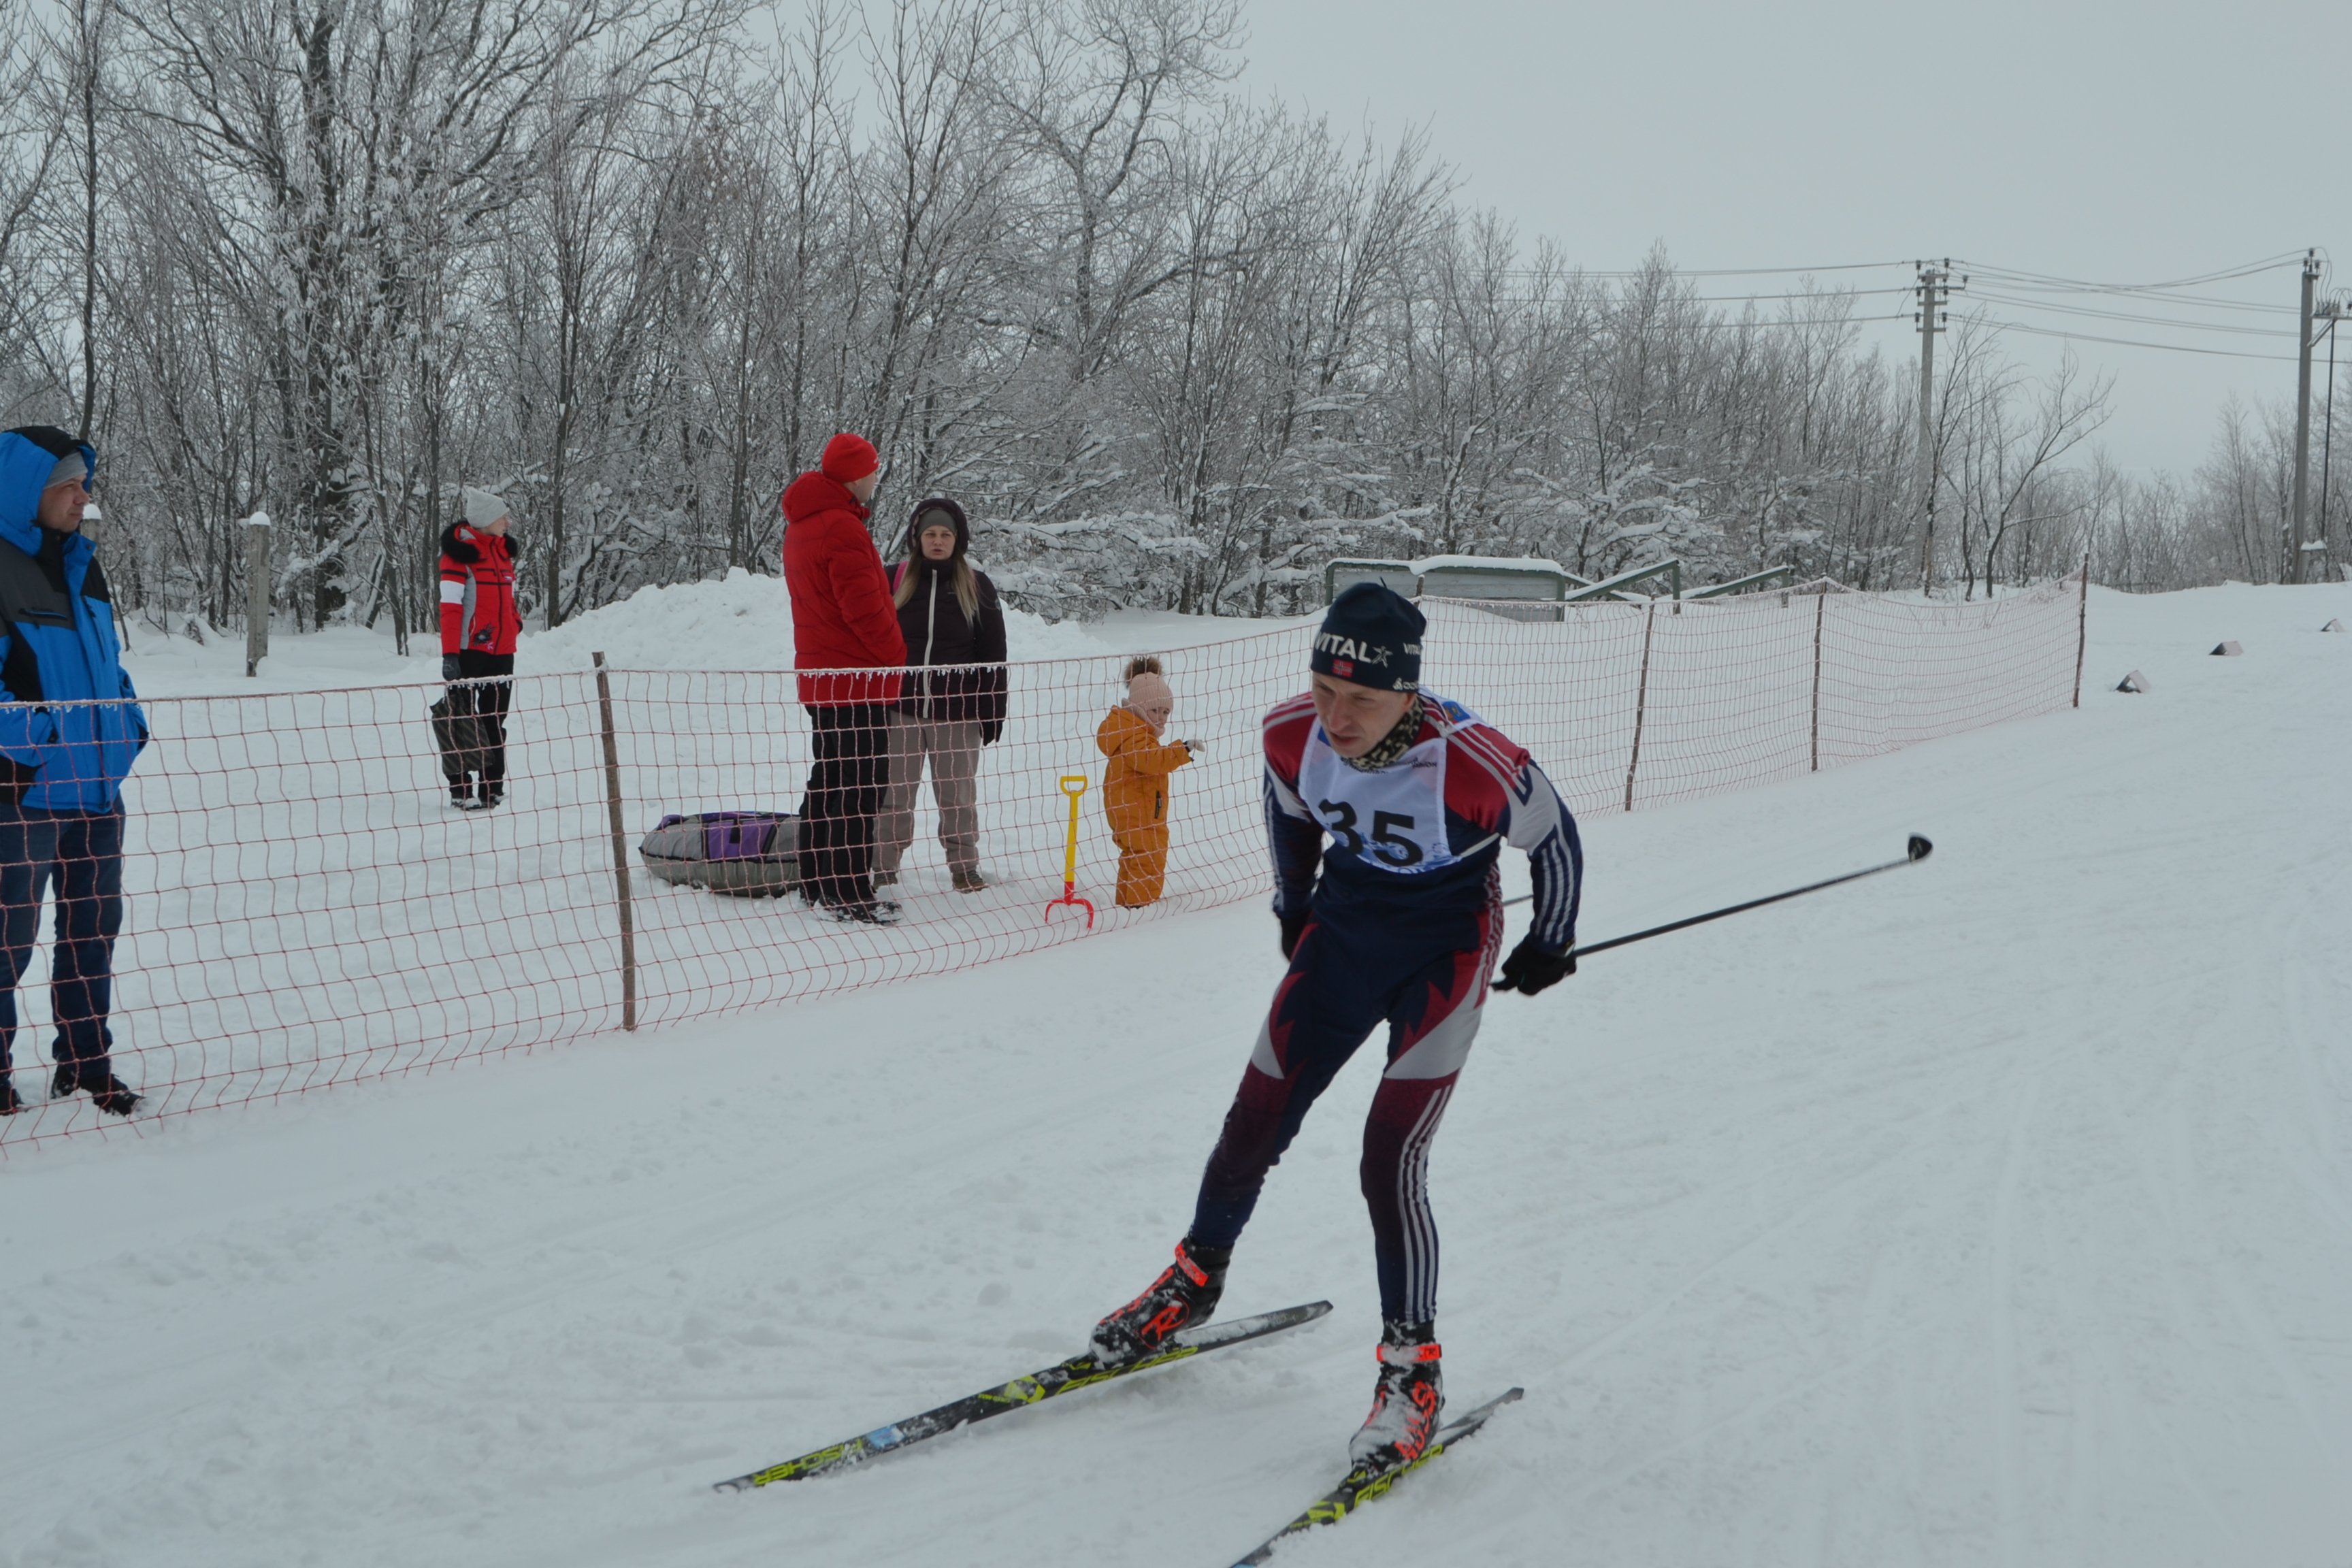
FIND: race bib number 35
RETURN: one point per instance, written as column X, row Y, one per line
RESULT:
column 1392, row 820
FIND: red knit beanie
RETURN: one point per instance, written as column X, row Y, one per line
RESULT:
column 848, row 458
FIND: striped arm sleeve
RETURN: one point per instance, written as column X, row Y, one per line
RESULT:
column 1295, row 839
column 1540, row 824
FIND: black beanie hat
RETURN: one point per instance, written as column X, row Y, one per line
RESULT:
column 1371, row 636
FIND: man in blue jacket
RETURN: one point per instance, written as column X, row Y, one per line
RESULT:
column 70, row 731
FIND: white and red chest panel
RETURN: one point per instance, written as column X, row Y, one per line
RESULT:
column 1390, row 820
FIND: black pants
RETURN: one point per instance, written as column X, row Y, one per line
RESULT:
column 79, row 853
column 485, row 703
column 851, row 743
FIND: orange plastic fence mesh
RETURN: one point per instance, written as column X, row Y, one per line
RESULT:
column 305, row 908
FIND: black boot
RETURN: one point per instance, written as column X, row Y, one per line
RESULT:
column 1406, row 1401
column 870, row 911
column 108, row 1092
column 10, row 1102
column 1184, row 1296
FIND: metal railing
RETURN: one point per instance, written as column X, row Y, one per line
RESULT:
column 1741, row 584
column 1613, row 587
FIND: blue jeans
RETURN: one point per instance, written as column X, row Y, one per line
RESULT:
column 81, row 852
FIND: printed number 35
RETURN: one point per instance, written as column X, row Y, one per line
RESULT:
column 1393, row 851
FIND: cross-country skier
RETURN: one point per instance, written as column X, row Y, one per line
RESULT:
column 1418, row 796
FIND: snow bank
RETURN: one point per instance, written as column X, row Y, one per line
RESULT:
column 742, row 621
column 745, row 622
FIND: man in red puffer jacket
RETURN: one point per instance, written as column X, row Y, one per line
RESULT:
column 479, row 624
column 844, row 624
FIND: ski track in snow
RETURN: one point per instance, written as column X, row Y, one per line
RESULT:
column 1995, row 1211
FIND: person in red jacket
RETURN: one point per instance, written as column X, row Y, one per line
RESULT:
column 479, row 624
column 847, row 646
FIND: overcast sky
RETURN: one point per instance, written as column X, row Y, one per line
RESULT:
column 2110, row 142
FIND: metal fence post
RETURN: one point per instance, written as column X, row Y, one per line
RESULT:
column 1641, row 701
column 620, row 849
column 256, row 592
column 1820, row 609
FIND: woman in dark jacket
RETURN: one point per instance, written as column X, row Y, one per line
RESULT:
column 951, row 701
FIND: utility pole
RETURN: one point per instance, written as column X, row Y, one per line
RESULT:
column 1935, row 290
column 2332, row 312
column 2302, row 418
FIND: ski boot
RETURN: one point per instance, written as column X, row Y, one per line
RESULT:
column 1184, row 1295
column 1406, row 1399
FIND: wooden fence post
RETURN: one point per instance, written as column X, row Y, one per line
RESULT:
column 2082, row 627
column 256, row 592
column 1820, row 609
column 1640, row 702
column 620, row 849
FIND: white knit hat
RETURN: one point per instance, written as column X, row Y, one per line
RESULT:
column 482, row 508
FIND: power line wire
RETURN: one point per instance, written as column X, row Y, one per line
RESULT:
column 2197, row 302
column 1758, row 321
column 1823, row 295
column 2001, row 326
column 2247, row 270
column 1672, row 271
column 2131, row 316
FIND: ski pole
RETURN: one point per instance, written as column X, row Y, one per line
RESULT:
column 1916, row 850
column 1073, row 785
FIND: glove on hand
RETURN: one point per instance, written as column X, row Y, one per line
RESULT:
column 451, row 669
column 1293, row 926
column 1191, row 748
column 1529, row 968
column 991, row 731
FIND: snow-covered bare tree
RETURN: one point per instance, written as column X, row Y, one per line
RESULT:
column 331, row 258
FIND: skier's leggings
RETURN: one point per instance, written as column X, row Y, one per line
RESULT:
column 1346, row 977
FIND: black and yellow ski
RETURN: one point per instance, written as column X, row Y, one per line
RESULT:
column 1065, row 1377
column 1363, row 1486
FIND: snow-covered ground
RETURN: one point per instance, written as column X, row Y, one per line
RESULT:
column 1998, row 1210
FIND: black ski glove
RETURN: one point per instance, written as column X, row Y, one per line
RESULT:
column 1293, row 926
column 1529, row 968
column 991, row 731
column 451, row 669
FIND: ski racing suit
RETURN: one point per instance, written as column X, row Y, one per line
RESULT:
column 1404, row 926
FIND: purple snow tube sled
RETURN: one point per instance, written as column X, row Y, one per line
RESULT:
column 750, row 854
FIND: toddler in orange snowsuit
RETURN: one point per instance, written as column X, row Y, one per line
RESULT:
column 1135, row 783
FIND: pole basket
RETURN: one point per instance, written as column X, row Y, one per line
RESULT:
column 1073, row 785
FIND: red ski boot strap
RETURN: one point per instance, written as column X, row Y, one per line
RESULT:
column 1409, row 1355
column 1193, row 1271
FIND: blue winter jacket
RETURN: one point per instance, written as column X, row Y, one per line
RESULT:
column 70, row 728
